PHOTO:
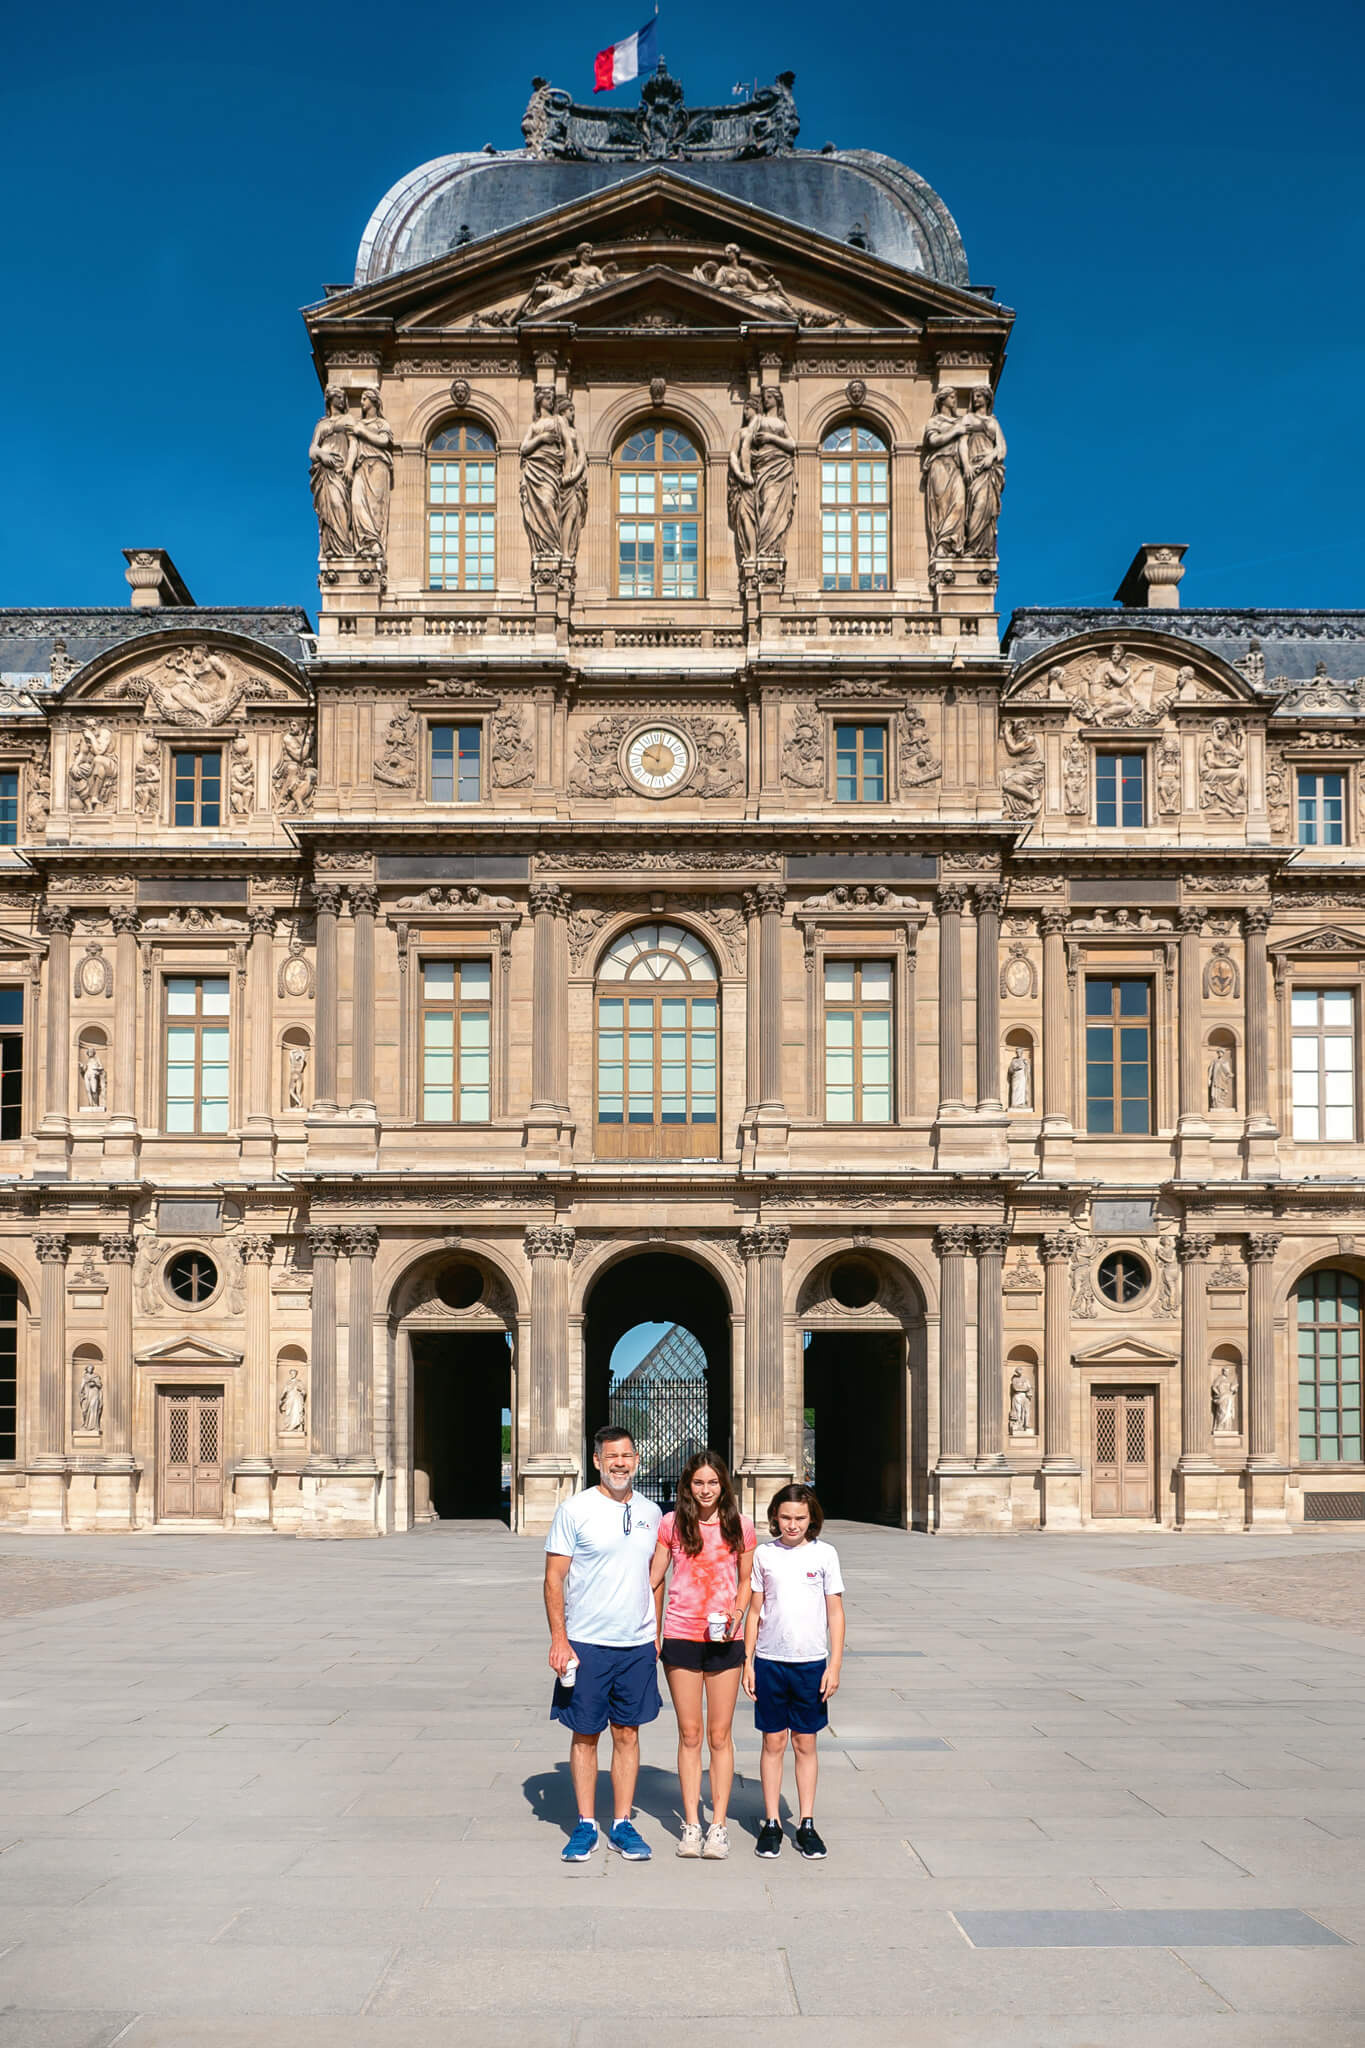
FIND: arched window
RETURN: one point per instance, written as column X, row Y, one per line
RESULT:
column 658, row 515
column 656, row 1046
column 1329, row 1367
column 461, row 508
column 855, row 515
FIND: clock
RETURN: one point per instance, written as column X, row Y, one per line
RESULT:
column 657, row 760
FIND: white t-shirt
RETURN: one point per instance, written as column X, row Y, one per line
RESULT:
column 792, row 1584
column 607, row 1598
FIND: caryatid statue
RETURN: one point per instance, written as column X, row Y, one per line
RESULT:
column 371, row 476
column 741, row 502
column 544, row 458
column 984, row 446
column 573, row 484
column 331, row 454
column 945, row 485
column 772, row 463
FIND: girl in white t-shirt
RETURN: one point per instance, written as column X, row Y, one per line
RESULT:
column 788, row 1673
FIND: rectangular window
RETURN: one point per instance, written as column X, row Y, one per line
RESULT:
column 457, row 1039
column 1118, row 1055
column 860, row 764
column 9, row 806
column 854, row 542
column 197, row 1008
column 11, row 1062
column 656, row 1060
column 460, row 550
column 1322, row 809
column 1322, row 1027
column 197, row 788
column 1329, row 1368
column 858, row 1041
column 1119, row 790
column 455, row 764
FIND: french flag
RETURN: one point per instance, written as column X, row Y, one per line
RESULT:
column 621, row 62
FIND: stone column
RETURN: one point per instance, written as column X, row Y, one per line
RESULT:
column 752, row 1012
column 948, row 903
column 262, row 921
column 763, row 1248
column 952, row 1243
column 123, row 1074
column 548, row 1470
column 771, row 899
column 988, row 899
column 1056, row 1108
column 1260, row 1124
column 1196, row 1419
column 1193, row 1102
column 360, row 1247
column 118, row 1252
column 1058, row 1252
column 57, row 1055
column 364, row 907
column 252, row 1500
column 544, row 905
column 991, row 1244
column 324, row 1245
column 52, row 1252
column 327, row 902
column 1261, row 1421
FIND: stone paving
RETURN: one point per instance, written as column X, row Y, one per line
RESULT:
column 274, row 1792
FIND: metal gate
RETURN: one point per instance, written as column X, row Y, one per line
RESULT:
column 1123, row 1452
column 663, row 1403
column 190, row 1453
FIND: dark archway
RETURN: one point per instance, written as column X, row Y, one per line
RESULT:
column 462, row 1399
column 668, row 1411
column 855, row 1396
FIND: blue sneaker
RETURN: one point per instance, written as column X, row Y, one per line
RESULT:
column 582, row 1842
column 627, row 1841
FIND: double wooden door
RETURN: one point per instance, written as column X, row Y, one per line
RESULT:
column 190, row 1453
column 1123, row 1452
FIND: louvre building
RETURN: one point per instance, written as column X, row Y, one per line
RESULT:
column 659, row 890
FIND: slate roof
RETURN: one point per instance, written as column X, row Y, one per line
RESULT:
column 28, row 634
column 1294, row 646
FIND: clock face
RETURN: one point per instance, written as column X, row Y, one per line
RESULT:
column 657, row 760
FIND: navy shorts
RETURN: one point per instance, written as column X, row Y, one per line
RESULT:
column 616, row 1687
column 788, row 1696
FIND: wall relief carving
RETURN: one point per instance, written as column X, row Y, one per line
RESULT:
column 1222, row 770
column 1021, row 781
column 458, row 896
column 397, row 762
column 512, row 761
column 803, row 752
column 918, row 761
column 92, row 776
column 295, row 775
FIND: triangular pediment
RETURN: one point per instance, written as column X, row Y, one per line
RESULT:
column 1124, row 1351
column 1323, row 938
column 187, row 1352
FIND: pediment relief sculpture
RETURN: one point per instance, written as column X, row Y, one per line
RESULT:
column 744, row 279
column 1120, row 687
column 197, row 687
column 753, row 282
column 553, row 288
column 1324, row 697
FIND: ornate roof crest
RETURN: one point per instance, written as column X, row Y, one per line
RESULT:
column 662, row 125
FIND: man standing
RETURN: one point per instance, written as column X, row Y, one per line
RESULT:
column 602, row 1622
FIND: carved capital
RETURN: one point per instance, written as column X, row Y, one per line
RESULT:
column 547, row 899
column 364, row 901
column 1194, row 1248
column 256, row 1251
column 548, row 1241
column 771, row 898
column 1189, row 920
column 1057, row 1250
column 261, row 921
column 991, row 1240
column 989, row 899
column 327, row 899
column 50, row 1249
column 1052, row 923
column 950, row 898
column 57, row 918
column 1256, row 918
column 119, row 1249
column 124, row 916
column 360, row 1243
column 764, row 1241
column 954, row 1240
column 1260, row 1248
column 323, row 1243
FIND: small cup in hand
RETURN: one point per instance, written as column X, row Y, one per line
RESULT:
column 717, row 1627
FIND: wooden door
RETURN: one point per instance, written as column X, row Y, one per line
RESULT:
column 1123, row 1452
column 190, row 1453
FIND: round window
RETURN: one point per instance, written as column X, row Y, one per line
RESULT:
column 459, row 1286
column 192, row 1277
column 853, row 1284
column 1122, row 1277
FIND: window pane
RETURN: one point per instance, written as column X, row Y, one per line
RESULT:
column 476, row 978
column 438, row 978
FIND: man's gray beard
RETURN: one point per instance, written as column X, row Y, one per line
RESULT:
column 617, row 1485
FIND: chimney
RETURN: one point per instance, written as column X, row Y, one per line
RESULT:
column 155, row 579
column 1153, row 579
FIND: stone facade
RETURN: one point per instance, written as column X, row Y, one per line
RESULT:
column 657, row 892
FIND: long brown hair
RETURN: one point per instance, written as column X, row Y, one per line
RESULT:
column 687, row 1515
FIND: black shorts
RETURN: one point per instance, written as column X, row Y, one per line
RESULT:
column 680, row 1653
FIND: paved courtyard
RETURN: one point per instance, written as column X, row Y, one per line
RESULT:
column 1080, row 1793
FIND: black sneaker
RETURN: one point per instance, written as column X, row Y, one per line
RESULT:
column 769, row 1841
column 808, row 1843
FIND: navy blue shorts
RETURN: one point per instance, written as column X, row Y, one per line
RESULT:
column 616, row 1687
column 788, row 1696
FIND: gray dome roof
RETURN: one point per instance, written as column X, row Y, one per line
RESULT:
column 843, row 194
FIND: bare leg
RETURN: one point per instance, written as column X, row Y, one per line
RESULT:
column 686, row 1688
column 625, row 1769
column 583, row 1771
column 770, row 1773
column 807, row 1771
column 722, row 1690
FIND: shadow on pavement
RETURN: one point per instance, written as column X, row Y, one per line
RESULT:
column 549, row 1794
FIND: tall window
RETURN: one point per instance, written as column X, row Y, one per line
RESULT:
column 461, row 509
column 1118, row 1055
column 1329, row 1367
column 9, row 806
column 11, row 1062
column 658, row 515
column 197, row 788
column 860, row 764
column 656, row 1046
column 855, row 520
column 1119, row 790
column 456, row 1041
column 1322, row 809
column 858, row 1041
column 456, row 763
column 197, row 1053
column 9, row 1366
column 1322, row 1024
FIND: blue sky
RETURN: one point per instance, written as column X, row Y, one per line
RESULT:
column 1169, row 196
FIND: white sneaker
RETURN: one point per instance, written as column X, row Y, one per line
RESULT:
column 717, row 1843
column 689, row 1842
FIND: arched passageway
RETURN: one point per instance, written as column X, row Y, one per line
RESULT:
column 864, row 1392
column 456, row 1312
column 672, row 1388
